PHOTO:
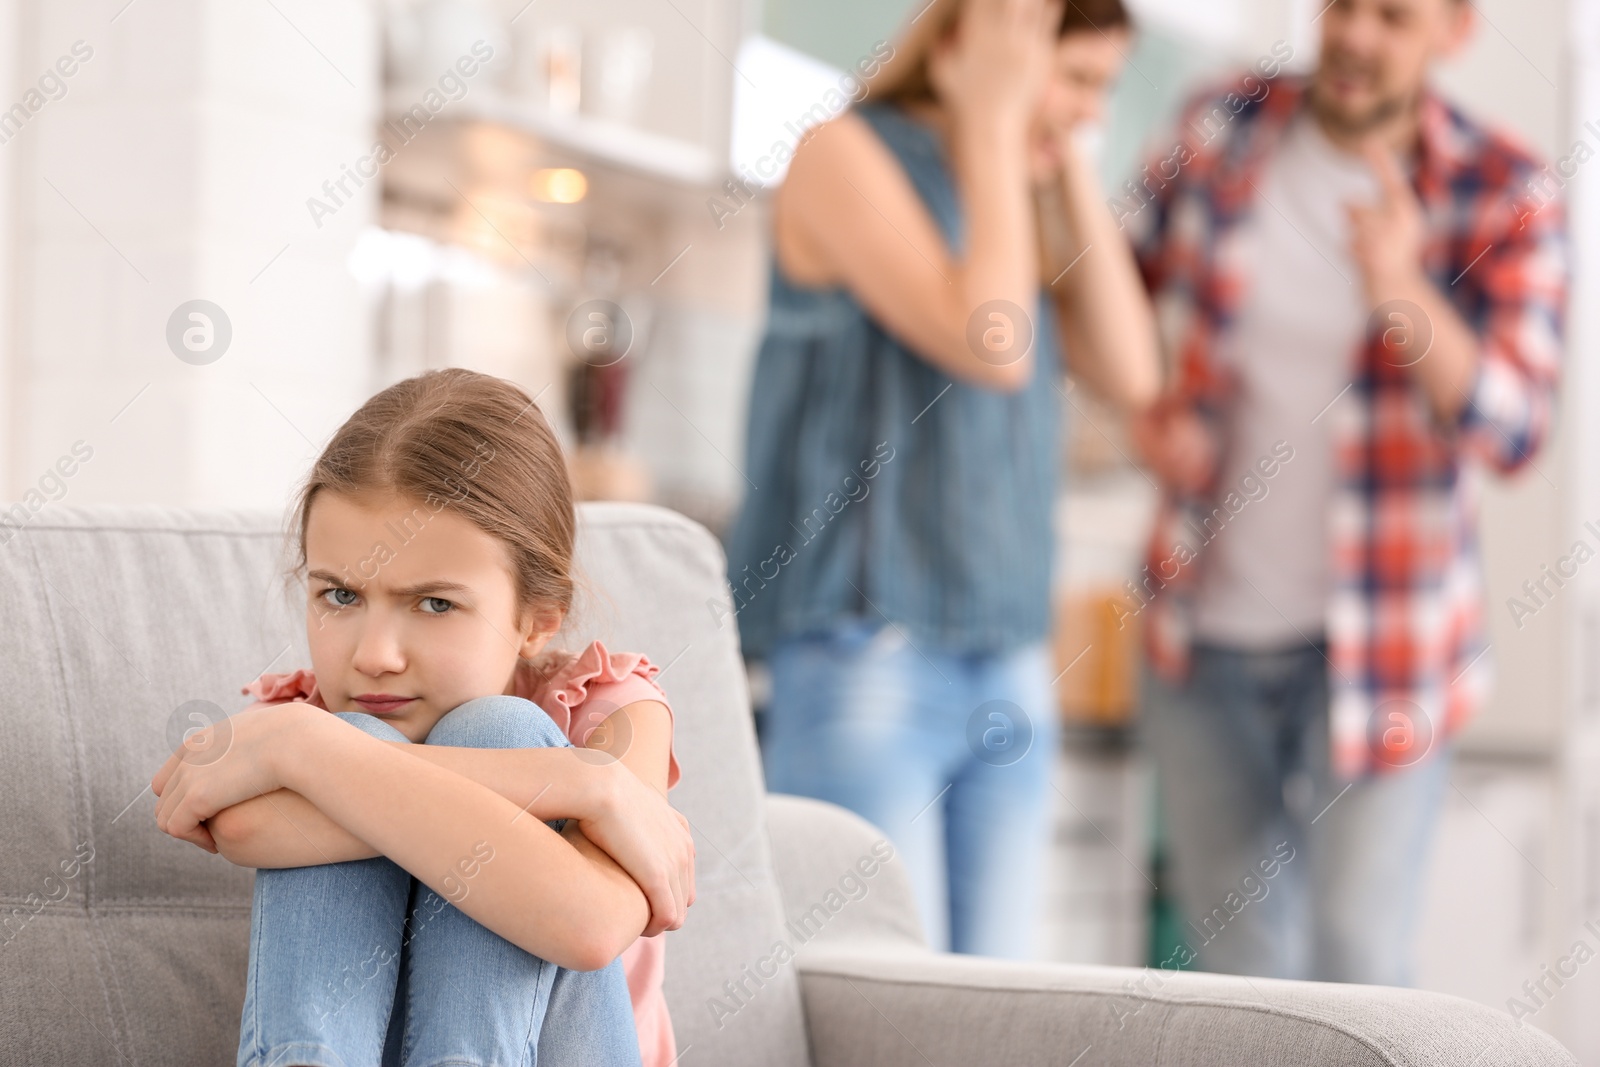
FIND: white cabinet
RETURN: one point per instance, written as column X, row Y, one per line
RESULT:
column 642, row 85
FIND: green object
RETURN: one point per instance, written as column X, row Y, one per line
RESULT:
column 1160, row 73
column 1166, row 927
column 839, row 32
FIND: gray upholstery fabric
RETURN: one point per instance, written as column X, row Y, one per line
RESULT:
column 906, row 1007
column 117, row 617
column 875, row 996
column 834, row 891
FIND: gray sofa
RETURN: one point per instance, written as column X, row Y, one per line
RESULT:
column 123, row 946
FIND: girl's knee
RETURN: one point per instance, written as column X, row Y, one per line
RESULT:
column 498, row 722
column 371, row 724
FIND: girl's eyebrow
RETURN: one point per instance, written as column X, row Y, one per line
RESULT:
column 430, row 588
column 420, row 589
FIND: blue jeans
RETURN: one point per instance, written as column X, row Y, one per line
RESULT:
column 357, row 964
column 1241, row 753
column 949, row 754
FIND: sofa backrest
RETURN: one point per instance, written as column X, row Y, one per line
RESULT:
column 119, row 944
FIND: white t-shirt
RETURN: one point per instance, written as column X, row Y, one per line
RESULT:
column 1264, row 574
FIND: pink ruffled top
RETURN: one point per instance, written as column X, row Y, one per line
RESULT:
column 577, row 692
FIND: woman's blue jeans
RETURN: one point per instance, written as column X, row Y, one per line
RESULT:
column 949, row 754
column 357, row 964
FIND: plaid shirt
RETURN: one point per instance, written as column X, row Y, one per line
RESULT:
column 1405, row 628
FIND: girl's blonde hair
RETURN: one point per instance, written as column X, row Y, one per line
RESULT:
column 474, row 441
column 904, row 78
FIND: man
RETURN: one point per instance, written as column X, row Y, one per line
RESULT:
column 1367, row 307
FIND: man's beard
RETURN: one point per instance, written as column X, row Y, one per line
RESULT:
column 1384, row 110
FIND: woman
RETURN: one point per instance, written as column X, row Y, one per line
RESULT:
column 893, row 567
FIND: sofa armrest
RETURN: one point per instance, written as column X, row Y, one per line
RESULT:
column 839, row 876
column 904, row 1007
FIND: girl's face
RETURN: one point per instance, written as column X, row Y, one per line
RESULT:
column 411, row 609
column 1085, row 64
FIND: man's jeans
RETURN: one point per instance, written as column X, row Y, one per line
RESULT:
column 1241, row 755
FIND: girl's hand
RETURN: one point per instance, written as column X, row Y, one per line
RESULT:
column 228, row 762
column 648, row 838
column 994, row 69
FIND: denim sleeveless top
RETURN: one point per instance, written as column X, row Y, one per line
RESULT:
column 879, row 486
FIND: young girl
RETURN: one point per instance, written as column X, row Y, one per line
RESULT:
column 452, row 862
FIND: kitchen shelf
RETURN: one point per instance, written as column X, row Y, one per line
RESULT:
column 615, row 143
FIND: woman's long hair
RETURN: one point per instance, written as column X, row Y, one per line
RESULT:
column 904, row 78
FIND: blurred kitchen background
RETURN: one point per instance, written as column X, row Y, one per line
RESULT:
column 575, row 195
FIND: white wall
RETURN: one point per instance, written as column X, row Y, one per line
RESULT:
column 1578, row 839
column 177, row 166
